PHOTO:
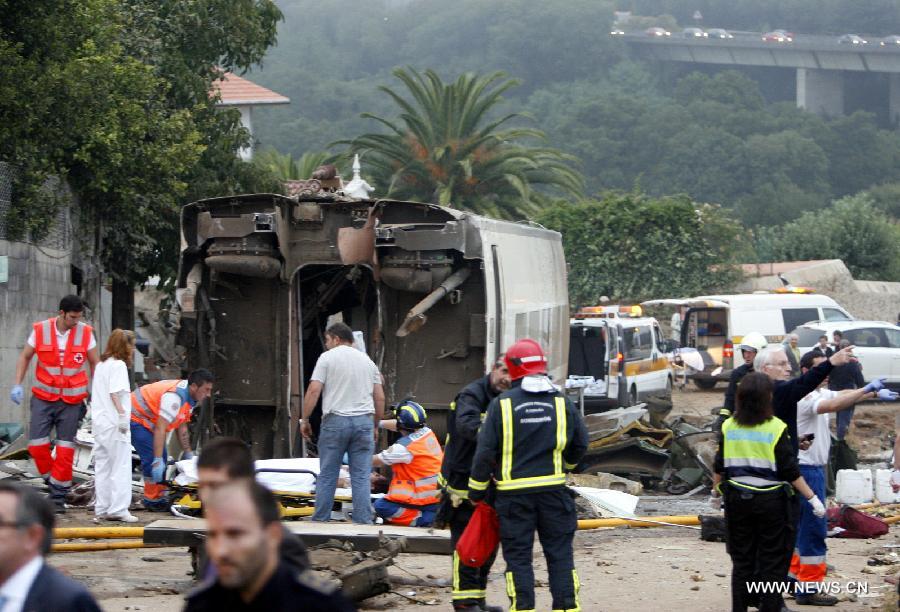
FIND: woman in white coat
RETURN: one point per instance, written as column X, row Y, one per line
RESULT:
column 110, row 415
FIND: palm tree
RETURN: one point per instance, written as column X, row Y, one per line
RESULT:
column 444, row 148
column 287, row 168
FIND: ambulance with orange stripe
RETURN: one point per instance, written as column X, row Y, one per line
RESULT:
column 620, row 354
column 715, row 324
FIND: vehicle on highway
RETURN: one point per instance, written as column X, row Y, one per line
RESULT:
column 693, row 33
column 621, row 353
column 852, row 39
column 877, row 345
column 890, row 41
column 716, row 324
column 778, row 36
column 655, row 31
column 719, row 33
column 617, row 32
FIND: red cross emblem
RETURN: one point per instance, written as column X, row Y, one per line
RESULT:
column 78, row 357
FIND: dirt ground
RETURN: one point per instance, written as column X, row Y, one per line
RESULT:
column 666, row 568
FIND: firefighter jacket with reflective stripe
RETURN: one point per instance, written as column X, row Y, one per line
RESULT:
column 145, row 403
column 748, row 454
column 464, row 420
column 66, row 379
column 416, row 483
column 527, row 443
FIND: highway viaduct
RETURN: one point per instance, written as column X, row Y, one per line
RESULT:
column 820, row 62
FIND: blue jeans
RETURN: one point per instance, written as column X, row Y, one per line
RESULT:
column 844, row 417
column 354, row 436
column 142, row 441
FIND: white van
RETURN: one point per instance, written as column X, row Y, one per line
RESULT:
column 715, row 324
column 624, row 355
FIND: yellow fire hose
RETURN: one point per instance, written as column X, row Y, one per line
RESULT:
column 97, row 533
column 92, row 546
column 649, row 521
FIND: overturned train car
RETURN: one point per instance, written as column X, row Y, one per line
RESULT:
column 436, row 294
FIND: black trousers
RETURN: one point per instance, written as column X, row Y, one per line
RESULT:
column 552, row 515
column 760, row 540
column 469, row 583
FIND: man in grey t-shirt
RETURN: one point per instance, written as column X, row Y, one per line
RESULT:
column 352, row 407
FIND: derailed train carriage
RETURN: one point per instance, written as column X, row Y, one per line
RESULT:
column 435, row 292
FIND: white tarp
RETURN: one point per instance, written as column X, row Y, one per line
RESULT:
column 276, row 481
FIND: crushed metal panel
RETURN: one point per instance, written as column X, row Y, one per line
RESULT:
column 357, row 245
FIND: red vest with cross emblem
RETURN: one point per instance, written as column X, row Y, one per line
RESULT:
column 61, row 379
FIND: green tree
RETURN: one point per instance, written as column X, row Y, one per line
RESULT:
column 631, row 247
column 444, row 147
column 285, row 166
column 851, row 229
column 113, row 96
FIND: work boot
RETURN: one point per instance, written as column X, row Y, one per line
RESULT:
column 816, row 599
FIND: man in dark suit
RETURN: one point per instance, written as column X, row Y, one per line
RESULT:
column 823, row 349
column 26, row 582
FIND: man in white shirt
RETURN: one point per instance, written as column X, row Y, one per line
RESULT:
column 26, row 582
column 352, row 406
column 808, row 565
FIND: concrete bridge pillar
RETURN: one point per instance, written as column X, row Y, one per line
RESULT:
column 894, row 99
column 821, row 91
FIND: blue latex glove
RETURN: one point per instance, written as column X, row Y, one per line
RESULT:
column 187, row 455
column 345, row 459
column 887, row 395
column 17, row 394
column 875, row 385
column 157, row 469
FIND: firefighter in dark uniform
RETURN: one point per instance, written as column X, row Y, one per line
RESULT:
column 751, row 344
column 466, row 414
column 532, row 435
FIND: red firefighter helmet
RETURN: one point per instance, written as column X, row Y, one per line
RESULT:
column 525, row 357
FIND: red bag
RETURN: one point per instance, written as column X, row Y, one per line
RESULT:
column 856, row 524
column 480, row 538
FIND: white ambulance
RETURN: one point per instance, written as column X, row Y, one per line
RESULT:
column 715, row 324
column 619, row 355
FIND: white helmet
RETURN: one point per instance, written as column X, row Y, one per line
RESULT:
column 754, row 341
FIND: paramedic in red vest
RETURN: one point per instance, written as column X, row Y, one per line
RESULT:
column 415, row 460
column 156, row 410
column 65, row 347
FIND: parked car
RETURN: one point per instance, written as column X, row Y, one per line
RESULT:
column 617, row 32
column 693, row 33
column 877, row 345
column 719, row 33
column 778, row 36
column 852, row 39
column 655, row 31
column 890, row 41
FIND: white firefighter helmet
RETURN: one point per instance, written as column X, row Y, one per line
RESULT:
column 754, row 341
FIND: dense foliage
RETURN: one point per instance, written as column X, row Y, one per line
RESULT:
column 626, row 246
column 113, row 96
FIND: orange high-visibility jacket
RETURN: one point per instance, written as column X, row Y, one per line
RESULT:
column 66, row 379
column 416, row 483
column 145, row 403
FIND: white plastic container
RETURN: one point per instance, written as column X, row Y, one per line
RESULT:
column 854, row 487
column 883, row 490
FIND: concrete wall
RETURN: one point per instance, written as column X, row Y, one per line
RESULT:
column 876, row 300
column 38, row 278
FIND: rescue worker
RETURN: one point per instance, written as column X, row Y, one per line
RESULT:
column 65, row 347
column 754, row 463
column 808, row 565
column 415, row 460
column 467, row 412
column 751, row 344
column 532, row 435
column 156, row 410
